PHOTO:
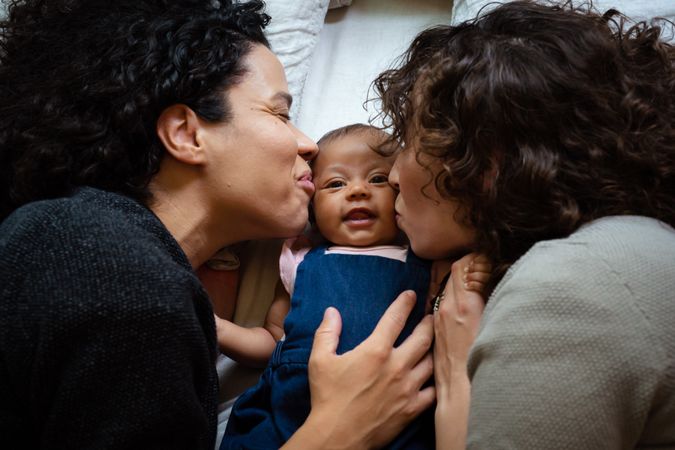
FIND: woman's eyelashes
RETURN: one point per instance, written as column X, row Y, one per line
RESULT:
column 279, row 111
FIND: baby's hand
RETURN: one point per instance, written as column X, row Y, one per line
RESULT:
column 476, row 274
column 469, row 274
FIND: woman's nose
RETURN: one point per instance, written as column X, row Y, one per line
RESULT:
column 393, row 175
column 307, row 148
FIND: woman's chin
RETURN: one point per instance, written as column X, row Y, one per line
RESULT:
column 428, row 251
column 299, row 228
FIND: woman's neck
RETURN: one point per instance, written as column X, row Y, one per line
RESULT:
column 184, row 206
column 187, row 223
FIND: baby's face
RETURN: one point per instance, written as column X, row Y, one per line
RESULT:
column 354, row 203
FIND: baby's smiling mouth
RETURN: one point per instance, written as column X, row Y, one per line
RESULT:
column 359, row 216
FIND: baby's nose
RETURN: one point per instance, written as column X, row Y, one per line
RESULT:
column 359, row 190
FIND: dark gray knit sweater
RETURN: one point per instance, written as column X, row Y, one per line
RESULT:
column 107, row 338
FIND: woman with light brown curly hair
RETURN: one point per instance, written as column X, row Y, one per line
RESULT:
column 544, row 136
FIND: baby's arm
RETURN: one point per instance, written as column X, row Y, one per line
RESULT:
column 456, row 319
column 254, row 346
column 274, row 321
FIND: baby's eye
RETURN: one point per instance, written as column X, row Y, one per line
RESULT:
column 284, row 116
column 335, row 184
column 379, row 179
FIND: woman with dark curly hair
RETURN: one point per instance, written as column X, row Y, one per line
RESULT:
column 544, row 136
column 136, row 139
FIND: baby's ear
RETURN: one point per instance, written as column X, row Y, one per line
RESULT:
column 178, row 127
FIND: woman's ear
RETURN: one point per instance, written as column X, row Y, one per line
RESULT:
column 177, row 128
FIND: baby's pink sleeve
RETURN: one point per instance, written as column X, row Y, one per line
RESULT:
column 292, row 253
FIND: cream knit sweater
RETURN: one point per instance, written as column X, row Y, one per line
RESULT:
column 577, row 344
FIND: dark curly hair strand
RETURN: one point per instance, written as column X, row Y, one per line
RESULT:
column 82, row 84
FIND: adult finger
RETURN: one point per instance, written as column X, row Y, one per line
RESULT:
column 423, row 371
column 417, row 345
column 327, row 335
column 393, row 320
column 459, row 301
column 424, row 399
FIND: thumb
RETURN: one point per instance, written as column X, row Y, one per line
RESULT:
column 327, row 335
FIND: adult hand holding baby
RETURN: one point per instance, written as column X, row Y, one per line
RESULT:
column 347, row 390
column 456, row 320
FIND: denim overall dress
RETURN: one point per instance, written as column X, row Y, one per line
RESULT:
column 361, row 287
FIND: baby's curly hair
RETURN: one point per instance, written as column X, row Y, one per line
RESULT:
column 82, row 84
column 543, row 117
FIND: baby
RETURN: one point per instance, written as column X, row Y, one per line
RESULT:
column 360, row 269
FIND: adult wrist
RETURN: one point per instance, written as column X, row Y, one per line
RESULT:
column 457, row 384
column 318, row 433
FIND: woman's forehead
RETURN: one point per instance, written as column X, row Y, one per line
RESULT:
column 264, row 77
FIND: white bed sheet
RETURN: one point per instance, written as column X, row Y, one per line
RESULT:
column 355, row 45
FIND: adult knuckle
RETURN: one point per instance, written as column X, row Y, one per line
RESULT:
column 313, row 367
column 320, row 332
column 425, row 342
column 317, row 362
column 379, row 353
column 427, row 363
column 400, row 372
column 410, row 409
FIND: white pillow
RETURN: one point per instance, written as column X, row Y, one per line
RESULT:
column 339, row 3
column 355, row 46
column 293, row 33
column 634, row 9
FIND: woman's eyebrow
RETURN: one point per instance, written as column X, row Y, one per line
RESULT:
column 283, row 97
